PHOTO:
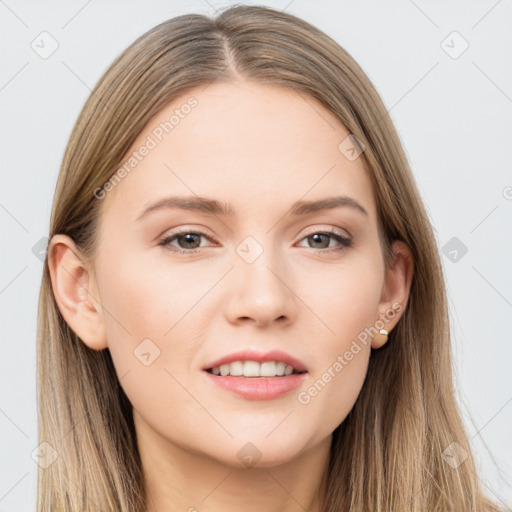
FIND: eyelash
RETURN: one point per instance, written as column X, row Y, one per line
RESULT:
column 345, row 242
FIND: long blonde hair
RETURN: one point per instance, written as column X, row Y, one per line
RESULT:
column 386, row 456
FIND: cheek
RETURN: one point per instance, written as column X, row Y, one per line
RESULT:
column 151, row 313
column 344, row 299
column 341, row 363
column 347, row 307
column 151, row 351
column 146, row 296
column 331, row 392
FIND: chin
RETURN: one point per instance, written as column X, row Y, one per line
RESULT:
column 259, row 451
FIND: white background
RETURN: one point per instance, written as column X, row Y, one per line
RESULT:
column 454, row 116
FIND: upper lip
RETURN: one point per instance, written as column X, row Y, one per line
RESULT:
column 260, row 357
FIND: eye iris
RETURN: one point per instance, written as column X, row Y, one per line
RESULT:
column 315, row 239
column 190, row 241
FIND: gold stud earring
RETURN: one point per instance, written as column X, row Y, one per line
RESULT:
column 380, row 338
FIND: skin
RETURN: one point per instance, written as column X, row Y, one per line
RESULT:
column 259, row 148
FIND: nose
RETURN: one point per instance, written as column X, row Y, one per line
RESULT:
column 260, row 293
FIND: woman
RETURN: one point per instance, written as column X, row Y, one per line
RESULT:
column 243, row 304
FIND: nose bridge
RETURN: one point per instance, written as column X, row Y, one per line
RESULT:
column 259, row 291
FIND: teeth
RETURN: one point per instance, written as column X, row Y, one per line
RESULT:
column 268, row 369
column 253, row 369
column 236, row 368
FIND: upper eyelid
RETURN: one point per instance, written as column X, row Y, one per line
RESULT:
column 335, row 230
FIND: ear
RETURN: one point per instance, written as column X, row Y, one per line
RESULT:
column 76, row 292
column 395, row 290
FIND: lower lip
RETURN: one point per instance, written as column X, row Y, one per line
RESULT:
column 259, row 388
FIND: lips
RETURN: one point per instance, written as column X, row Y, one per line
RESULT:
column 253, row 379
column 263, row 388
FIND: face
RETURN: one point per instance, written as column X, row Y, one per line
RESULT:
column 183, row 288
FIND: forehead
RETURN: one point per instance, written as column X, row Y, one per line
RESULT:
column 246, row 144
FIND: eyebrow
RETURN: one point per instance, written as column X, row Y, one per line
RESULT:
column 214, row 207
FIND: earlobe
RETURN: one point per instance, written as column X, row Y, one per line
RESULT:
column 75, row 291
column 380, row 339
column 395, row 292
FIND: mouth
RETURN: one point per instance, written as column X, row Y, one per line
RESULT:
column 255, row 376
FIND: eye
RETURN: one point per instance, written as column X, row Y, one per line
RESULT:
column 322, row 239
column 189, row 242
